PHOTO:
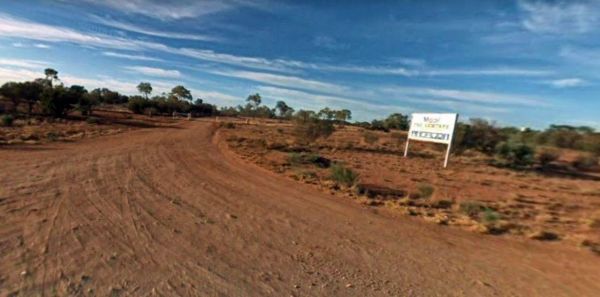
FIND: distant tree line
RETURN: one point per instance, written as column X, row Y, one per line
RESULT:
column 49, row 96
column 179, row 100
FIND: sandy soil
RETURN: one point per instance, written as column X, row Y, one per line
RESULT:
column 555, row 204
column 172, row 212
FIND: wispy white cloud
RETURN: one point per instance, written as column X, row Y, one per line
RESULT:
column 316, row 101
column 567, row 82
column 152, row 71
column 29, row 64
column 18, row 74
column 42, row 45
column 283, row 80
column 36, row 45
column 130, row 57
column 17, row 28
column 479, row 97
column 11, row 27
column 152, row 32
column 174, row 10
column 557, row 17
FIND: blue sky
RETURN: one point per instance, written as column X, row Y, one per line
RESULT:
column 523, row 63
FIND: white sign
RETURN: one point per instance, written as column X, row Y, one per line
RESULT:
column 432, row 127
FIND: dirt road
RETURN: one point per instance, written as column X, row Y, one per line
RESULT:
column 170, row 212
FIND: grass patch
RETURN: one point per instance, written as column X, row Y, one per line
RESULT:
column 343, row 175
column 471, row 208
column 489, row 216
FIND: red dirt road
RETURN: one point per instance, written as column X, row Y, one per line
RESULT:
column 170, row 212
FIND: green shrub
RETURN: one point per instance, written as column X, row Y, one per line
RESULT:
column 425, row 190
column 585, row 162
column 515, row 154
column 7, row 120
column 471, row 208
column 343, row 175
column 370, row 137
column 547, row 156
column 490, row 216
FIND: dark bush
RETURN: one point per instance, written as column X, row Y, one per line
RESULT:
column 585, row 162
column 308, row 127
column 138, row 104
column 7, row 120
column 547, row 156
column 308, row 158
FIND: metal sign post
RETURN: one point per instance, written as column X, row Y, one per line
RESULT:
column 432, row 127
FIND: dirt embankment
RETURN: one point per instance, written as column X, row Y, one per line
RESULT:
column 163, row 212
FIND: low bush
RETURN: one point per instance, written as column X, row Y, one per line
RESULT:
column 7, row 120
column 343, row 175
column 425, row 190
column 310, row 128
column 515, row 154
column 370, row 137
column 228, row 125
column 546, row 157
column 585, row 162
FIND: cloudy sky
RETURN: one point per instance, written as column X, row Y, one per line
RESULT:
column 524, row 63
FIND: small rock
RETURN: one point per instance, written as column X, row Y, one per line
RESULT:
column 349, row 286
column 297, row 286
column 24, row 273
column 231, row 216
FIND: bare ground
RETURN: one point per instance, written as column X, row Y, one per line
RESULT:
column 170, row 211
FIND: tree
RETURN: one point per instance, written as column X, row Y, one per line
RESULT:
column 396, row 121
column 31, row 92
column 181, row 93
column 342, row 115
column 145, row 88
column 283, row 109
column 55, row 101
column 12, row 91
column 254, row 100
column 326, row 114
column 51, row 75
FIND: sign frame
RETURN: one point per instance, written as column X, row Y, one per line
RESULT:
column 448, row 142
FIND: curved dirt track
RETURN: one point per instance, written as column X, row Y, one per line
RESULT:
column 169, row 212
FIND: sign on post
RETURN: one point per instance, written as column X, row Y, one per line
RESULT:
column 432, row 127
